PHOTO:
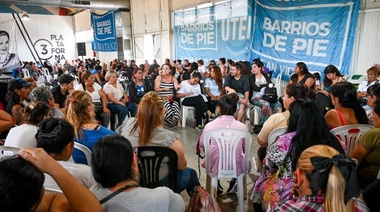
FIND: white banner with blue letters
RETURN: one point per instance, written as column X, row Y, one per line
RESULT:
column 104, row 32
column 279, row 32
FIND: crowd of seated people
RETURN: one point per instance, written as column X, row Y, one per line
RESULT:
column 83, row 112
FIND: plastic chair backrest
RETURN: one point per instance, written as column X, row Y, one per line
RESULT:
column 46, row 71
column 8, row 151
column 274, row 134
column 227, row 140
column 52, row 191
column 277, row 84
column 350, row 134
column 25, row 72
column 85, row 150
column 150, row 161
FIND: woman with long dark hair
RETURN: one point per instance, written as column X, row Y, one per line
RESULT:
column 303, row 76
column 306, row 128
column 347, row 106
column 332, row 76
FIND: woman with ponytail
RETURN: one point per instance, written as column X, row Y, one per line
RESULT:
column 347, row 106
column 81, row 114
column 324, row 181
column 147, row 129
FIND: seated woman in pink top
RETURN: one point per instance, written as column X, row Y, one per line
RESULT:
column 226, row 107
column 347, row 106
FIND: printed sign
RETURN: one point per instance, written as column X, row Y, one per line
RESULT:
column 279, row 32
column 318, row 33
column 213, row 32
column 104, row 32
column 52, row 48
column 8, row 47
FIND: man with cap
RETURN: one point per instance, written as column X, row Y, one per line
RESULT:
column 61, row 91
column 18, row 91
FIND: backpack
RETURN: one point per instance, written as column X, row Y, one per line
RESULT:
column 202, row 201
column 270, row 94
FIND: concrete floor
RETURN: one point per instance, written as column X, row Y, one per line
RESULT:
column 189, row 137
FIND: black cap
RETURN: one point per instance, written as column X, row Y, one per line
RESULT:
column 18, row 83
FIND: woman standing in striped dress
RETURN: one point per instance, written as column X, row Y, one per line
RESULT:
column 166, row 85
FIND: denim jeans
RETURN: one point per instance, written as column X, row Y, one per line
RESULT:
column 132, row 107
column 120, row 110
column 186, row 179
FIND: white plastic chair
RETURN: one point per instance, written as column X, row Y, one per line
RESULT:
column 274, row 134
column 8, row 151
column 25, row 72
column 227, row 140
column 52, row 191
column 45, row 71
column 85, row 150
column 277, row 83
column 350, row 134
column 184, row 111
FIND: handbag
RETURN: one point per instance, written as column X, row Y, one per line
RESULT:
column 98, row 106
column 270, row 94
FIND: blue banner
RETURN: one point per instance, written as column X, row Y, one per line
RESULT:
column 104, row 32
column 279, row 32
column 318, row 33
column 214, row 32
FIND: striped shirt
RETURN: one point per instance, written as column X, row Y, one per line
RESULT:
column 169, row 85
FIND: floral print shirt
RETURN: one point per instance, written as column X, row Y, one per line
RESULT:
column 275, row 182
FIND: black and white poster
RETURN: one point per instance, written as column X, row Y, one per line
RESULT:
column 8, row 47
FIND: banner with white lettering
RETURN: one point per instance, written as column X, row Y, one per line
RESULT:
column 318, row 33
column 279, row 32
column 8, row 47
column 215, row 31
column 104, row 32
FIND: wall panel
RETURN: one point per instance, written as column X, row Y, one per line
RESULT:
column 367, row 42
column 53, row 37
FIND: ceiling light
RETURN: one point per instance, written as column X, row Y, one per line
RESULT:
column 25, row 16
